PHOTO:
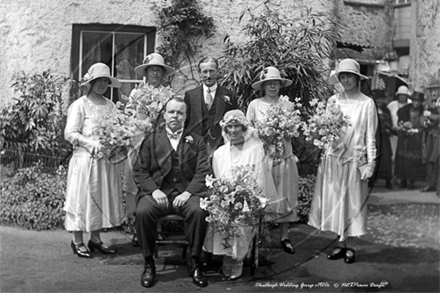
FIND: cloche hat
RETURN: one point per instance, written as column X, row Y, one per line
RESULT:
column 270, row 73
column 403, row 90
column 347, row 65
column 98, row 70
column 153, row 59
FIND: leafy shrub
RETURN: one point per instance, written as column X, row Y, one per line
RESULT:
column 35, row 120
column 305, row 196
column 33, row 198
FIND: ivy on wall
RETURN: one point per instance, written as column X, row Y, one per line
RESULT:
column 182, row 25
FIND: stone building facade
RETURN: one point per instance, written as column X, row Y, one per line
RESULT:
column 48, row 34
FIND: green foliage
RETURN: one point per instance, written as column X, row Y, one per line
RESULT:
column 181, row 26
column 305, row 196
column 34, row 120
column 297, row 47
column 33, row 198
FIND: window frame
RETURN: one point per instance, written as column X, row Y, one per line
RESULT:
column 76, row 48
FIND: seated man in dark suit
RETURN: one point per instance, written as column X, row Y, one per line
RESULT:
column 208, row 103
column 170, row 172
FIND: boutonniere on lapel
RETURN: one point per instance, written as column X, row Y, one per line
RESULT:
column 227, row 100
column 189, row 139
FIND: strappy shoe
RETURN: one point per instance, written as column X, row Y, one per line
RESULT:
column 337, row 253
column 77, row 249
column 101, row 247
column 287, row 246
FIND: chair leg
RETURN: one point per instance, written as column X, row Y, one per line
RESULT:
column 184, row 251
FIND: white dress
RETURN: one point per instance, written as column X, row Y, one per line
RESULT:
column 94, row 190
column 252, row 154
column 285, row 174
column 340, row 199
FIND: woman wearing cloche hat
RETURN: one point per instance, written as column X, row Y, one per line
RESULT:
column 285, row 173
column 154, row 69
column 341, row 190
column 93, row 196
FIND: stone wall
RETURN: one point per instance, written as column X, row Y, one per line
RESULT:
column 425, row 43
column 367, row 23
column 36, row 35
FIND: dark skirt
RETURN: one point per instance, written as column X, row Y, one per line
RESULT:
column 408, row 156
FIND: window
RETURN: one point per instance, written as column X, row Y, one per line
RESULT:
column 121, row 47
column 401, row 2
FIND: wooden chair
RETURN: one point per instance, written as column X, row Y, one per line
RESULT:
column 170, row 237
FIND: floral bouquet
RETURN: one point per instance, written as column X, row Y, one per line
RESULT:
column 279, row 123
column 115, row 130
column 326, row 124
column 234, row 200
column 407, row 128
column 150, row 100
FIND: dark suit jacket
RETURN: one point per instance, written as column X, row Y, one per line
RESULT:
column 204, row 122
column 154, row 162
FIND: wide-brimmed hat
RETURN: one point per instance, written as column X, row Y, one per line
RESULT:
column 234, row 116
column 403, row 90
column 347, row 65
column 270, row 73
column 153, row 59
column 99, row 70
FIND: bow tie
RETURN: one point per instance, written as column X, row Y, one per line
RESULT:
column 175, row 135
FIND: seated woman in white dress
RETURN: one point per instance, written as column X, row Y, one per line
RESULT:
column 242, row 147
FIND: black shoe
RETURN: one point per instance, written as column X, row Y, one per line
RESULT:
column 135, row 241
column 403, row 184
column 148, row 276
column 287, row 246
column 77, row 250
column 337, row 253
column 199, row 278
column 349, row 259
column 101, row 247
column 388, row 184
column 427, row 189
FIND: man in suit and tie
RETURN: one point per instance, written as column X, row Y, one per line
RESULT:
column 170, row 172
column 207, row 105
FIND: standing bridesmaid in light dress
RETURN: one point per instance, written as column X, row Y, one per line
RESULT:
column 94, row 190
column 339, row 202
column 285, row 173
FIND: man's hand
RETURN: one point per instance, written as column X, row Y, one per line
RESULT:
column 161, row 198
column 181, row 199
column 366, row 172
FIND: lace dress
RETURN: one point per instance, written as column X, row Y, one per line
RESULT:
column 94, row 190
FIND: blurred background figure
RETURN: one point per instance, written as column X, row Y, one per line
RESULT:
column 401, row 99
column 431, row 116
column 384, row 164
column 409, row 143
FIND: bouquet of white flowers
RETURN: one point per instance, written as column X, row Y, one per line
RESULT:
column 115, row 130
column 326, row 124
column 234, row 200
column 150, row 100
column 279, row 123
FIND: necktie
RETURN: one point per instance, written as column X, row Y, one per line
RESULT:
column 208, row 99
column 174, row 135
